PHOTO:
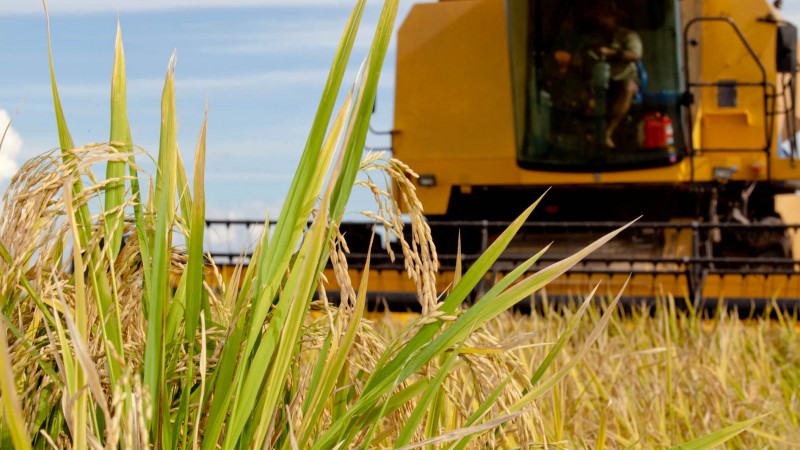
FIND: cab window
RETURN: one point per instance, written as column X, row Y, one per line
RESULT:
column 600, row 84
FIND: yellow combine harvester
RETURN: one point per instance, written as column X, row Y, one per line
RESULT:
column 682, row 111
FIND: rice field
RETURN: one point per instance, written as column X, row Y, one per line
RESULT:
column 111, row 336
column 655, row 378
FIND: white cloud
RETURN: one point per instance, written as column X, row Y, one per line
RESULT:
column 99, row 6
column 271, row 79
column 276, row 79
column 284, row 37
column 248, row 177
column 9, row 148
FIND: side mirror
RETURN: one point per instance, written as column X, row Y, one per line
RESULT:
column 786, row 51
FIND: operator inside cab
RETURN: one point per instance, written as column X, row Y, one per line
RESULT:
column 601, row 85
column 610, row 42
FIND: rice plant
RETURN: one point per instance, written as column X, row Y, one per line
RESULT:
column 656, row 376
column 112, row 338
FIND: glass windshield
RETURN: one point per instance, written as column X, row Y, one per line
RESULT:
column 602, row 84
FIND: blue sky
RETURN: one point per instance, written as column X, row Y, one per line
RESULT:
column 261, row 65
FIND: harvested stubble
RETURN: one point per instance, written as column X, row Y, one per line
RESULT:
column 119, row 343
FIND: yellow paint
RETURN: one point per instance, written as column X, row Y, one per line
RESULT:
column 724, row 57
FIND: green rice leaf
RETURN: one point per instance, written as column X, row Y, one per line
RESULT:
column 548, row 384
column 100, row 283
column 718, row 438
column 281, row 336
column 162, row 249
column 275, row 257
column 380, row 381
column 141, row 224
column 194, row 273
column 12, row 409
column 184, row 191
column 460, row 291
column 481, row 411
column 195, row 265
column 422, row 408
column 562, row 339
column 334, row 365
column 293, row 218
column 115, row 170
column 64, row 138
column 359, row 122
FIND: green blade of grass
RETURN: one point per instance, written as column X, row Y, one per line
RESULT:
column 719, row 437
column 241, row 295
column 264, row 300
column 292, row 219
column 562, row 339
column 64, row 137
column 485, row 309
column 422, row 407
column 115, row 170
column 479, row 412
column 459, row 293
column 67, row 366
column 184, row 192
column 265, row 345
column 333, row 366
column 79, row 332
column 12, row 409
column 300, row 288
column 195, row 267
column 159, row 290
column 100, row 283
column 358, row 134
column 141, row 224
column 196, row 264
column 385, row 367
column 282, row 318
column 548, row 384
column 277, row 254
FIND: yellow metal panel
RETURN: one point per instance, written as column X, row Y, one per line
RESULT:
column 654, row 286
column 504, row 172
column 449, row 73
column 752, row 286
column 735, row 129
column 785, row 169
column 725, row 57
column 749, row 166
column 434, row 199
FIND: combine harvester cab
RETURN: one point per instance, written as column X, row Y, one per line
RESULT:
column 680, row 111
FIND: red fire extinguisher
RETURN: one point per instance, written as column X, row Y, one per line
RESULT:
column 658, row 132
